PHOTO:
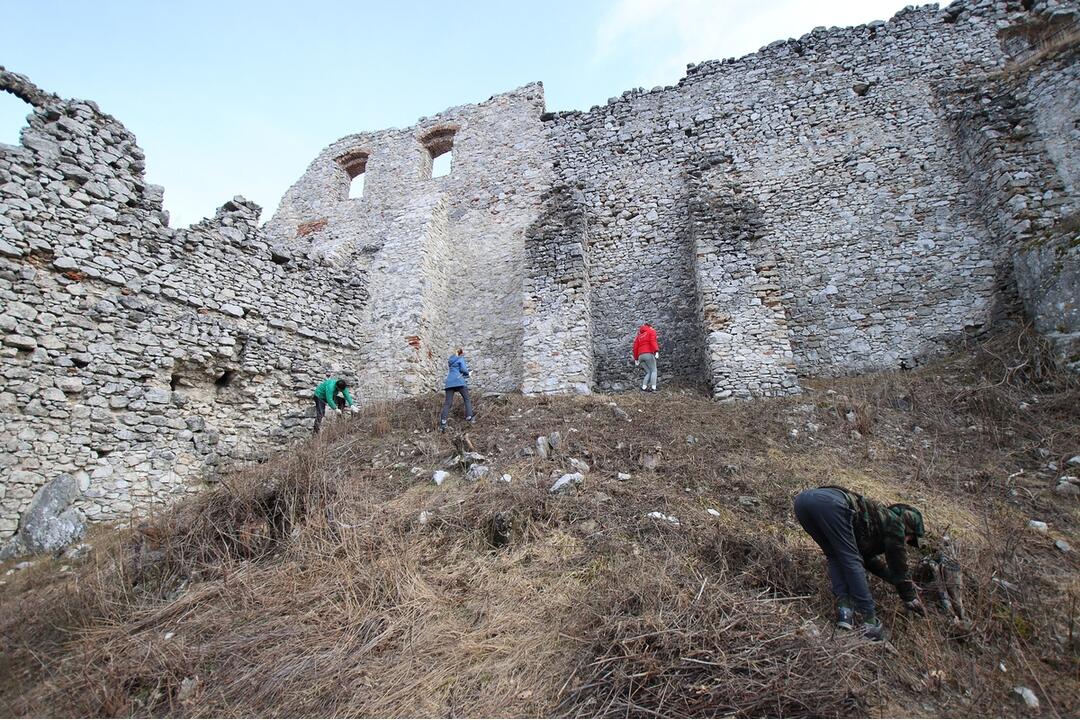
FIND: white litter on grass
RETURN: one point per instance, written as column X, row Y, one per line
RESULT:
column 714, row 512
column 439, row 477
column 1027, row 695
column 656, row 515
column 476, row 472
column 188, row 687
column 20, row 566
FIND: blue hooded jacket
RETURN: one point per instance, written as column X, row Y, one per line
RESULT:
column 459, row 371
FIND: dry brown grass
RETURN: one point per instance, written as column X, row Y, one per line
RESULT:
column 308, row 585
column 1048, row 42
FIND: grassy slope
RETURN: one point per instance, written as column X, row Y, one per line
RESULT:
column 310, row 586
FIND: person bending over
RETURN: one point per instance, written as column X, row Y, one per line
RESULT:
column 858, row 534
column 333, row 393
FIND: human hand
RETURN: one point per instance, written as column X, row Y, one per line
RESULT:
column 656, row 354
column 354, row 409
column 915, row 607
column 636, row 363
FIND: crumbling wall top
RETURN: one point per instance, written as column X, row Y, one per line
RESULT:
column 21, row 87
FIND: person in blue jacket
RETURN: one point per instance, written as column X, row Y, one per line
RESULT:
column 457, row 378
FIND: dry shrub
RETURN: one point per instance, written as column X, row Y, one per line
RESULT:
column 860, row 415
column 1003, row 401
column 348, row 617
column 685, row 646
column 380, row 420
column 763, row 561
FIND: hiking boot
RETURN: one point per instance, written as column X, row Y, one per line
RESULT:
column 845, row 618
column 874, row 630
column 471, row 420
column 442, row 427
column 644, row 388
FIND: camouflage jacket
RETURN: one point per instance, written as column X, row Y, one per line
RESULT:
column 878, row 531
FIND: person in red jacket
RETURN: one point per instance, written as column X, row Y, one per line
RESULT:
column 647, row 351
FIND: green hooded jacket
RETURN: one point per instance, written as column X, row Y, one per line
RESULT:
column 328, row 389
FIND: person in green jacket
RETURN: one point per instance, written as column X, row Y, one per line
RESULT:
column 858, row 535
column 332, row 392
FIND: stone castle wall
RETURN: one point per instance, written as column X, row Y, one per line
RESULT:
column 1045, row 174
column 461, row 285
column 839, row 144
column 848, row 201
column 557, row 313
column 137, row 358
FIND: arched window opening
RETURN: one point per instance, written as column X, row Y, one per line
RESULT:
column 356, row 187
column 354, row 164
column 13, row 113
column 442, row 164
column 439, row 157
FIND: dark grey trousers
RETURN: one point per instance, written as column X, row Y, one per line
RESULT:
column 825, row 514
column 450, row 401
column 320, row 409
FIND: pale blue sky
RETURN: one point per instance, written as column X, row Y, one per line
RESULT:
column 232, row 98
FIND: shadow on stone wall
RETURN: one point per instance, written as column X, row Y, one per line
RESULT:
column 646, row 278
column 557, row 322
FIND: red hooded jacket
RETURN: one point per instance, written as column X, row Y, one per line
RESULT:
column 645, row 342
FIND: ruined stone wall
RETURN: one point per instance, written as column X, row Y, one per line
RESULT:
column 740, row 303
column 448, row 252
column 557, row 313
column 851, row 200
column 630, row 169
column 1017, row 130
column 1047, row 266
column 840, row 144
column 137, row 358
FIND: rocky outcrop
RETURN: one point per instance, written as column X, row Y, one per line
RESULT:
column 50, row 523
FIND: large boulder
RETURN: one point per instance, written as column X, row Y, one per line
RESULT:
column 50, row 523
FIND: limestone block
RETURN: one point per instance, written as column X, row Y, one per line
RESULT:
column 21, row 342
column 50, row 523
